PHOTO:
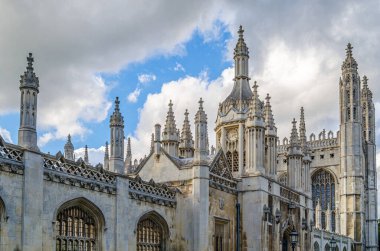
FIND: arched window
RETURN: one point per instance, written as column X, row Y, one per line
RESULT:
column 152, row 232
column 78, row 227
column 323, row 190
column 316, row 246
column 327, row 247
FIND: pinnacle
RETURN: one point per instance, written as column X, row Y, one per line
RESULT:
column 365, row 81
column 349, row 50
column 117, row 103
column 200, row 104
column 30, row 62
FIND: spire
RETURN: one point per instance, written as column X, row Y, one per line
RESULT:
column 86, row 155
column 116, row 117
column 294, row 134
column 170, row 135
column 269, row 120
column 116, row 163
column 29, row 79
column 29, row 88
column 69, row 149
column 302, row 129
column 170, row 126
column 129, row 149
column 106, row 157
column 366, row 92
column 201, row 137
column 187, row 144
column 256, row 111
column 241, row 93
column 349, row 63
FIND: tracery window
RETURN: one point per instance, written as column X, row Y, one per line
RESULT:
column 323, row 191
column 76, row 230
column 283, row 179
column 151, row 234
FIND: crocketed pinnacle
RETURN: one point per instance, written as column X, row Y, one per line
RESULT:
column 116, row 117
column 294, row 134
column 349, row 63
column 366, row 92
column 106, row 152
column 186, row 135
column 256, row 110
column 170, row 126
column 29, row 78
column 129, row 149
column 302, row 129
column 269, row 120
column 86, row 154
column 200, row 116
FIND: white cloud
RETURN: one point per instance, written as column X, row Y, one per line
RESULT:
column 178, row 67
column 146, row 78
column 68, row 66
column 133, row 96
column 95, row 155
column 6, row 135
column 155, row 108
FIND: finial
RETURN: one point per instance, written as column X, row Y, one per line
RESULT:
column 349, row 50
column 117, row 102
column 200, row 104
column 267, row 98
column 255, row 86
column 241, row 31
column 186, row 113
column 69, row 138
column 170, row 104
column 30, row 62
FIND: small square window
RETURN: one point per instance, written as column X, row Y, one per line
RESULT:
column 331, row 155
column 322, row 156
column 285, row 161
column 312, row 157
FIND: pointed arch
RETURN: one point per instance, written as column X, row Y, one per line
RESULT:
column 324, row 184
column 316, row 246
column 152, row 232
column 79, row 225
column 327, row 247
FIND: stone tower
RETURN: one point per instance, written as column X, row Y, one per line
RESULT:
column 351, row 151
column 186, row 147
column 170, row 135
column 69, row 149
column 294, row 159
column 255, row 131
column 233, row 111
column 270, row 140
column 368, row 120
column 116, row 163
column 29, row 88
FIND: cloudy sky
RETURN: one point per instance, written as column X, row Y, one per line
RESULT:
column 148, row 52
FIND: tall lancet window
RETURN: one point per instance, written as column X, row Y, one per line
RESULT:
column 151, row 233
column 76, row 229
column 323, row 191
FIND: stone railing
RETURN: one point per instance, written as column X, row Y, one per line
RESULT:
column 322, row 143
column 78, row 174
column 11, row 153
column 222, row 183
column 290, row 195
column 11, row 159
column 152, row 192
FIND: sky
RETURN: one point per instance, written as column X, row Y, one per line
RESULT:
column 87, row 53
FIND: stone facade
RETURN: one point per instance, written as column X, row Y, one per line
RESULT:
column 251, row 192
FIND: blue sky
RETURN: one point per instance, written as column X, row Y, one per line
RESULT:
column 86, row 57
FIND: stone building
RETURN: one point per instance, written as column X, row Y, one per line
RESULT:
column 251, row 192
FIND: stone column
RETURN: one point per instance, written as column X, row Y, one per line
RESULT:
column 33, row 201
column 123, row 226
column 200, row 207
column 241, row 148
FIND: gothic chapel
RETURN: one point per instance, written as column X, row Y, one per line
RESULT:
column 250, row 192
